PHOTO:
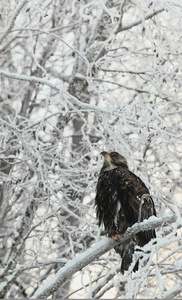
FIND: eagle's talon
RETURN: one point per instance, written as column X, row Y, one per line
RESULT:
column 116, row 237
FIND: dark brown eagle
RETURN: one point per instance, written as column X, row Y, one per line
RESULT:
column 122, row 199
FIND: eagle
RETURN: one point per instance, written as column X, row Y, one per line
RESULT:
column 122, row 199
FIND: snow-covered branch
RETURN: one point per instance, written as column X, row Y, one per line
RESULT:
column 173, row 292
column 12, row 21
column 93, row 253
column 140, row 20
column 28, row 78
column 104, row 281
column 20, row 235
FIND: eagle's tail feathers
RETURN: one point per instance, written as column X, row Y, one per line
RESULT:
column 126, row 251
column 126, row 262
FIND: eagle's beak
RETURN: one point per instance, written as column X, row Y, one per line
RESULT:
column 106, row 156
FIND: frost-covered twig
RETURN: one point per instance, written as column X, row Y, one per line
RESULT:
column 140, row 20
column 12, row 21
column 105, row 289
column 60, row 39
column 93, row 253
column 133, row 89
column 83, row 105
column 174, row 291
column 28, row 78
column 104, row 281
column 21, row 233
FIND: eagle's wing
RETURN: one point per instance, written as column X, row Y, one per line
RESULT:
column 136, row 201
column 106, row 202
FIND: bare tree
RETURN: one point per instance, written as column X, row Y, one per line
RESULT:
column 77, row 78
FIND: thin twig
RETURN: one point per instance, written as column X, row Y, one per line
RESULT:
column 12, row 21
column 140, row 20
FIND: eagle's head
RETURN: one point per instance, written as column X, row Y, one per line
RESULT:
column 113, row 160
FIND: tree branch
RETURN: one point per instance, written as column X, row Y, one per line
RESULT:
column 20, row 234
column 174, row 291
column 140, row 20
column 93, row 253
column 133, row 89
column 28, row 78
column 79, row 103
column 12, row 21
column 104, row 282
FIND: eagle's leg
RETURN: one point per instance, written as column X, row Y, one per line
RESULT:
column 116, row 237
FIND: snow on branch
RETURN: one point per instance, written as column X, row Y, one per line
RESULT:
column 173, row 292
column 12, row 21
column 93, row 253
column 28, row 78
column 20, row 234
column 140, row 20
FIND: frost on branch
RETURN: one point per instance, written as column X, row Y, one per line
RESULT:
column 78, row 78
column 91, row 254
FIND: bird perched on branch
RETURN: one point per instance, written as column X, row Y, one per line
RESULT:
column 122, row 199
